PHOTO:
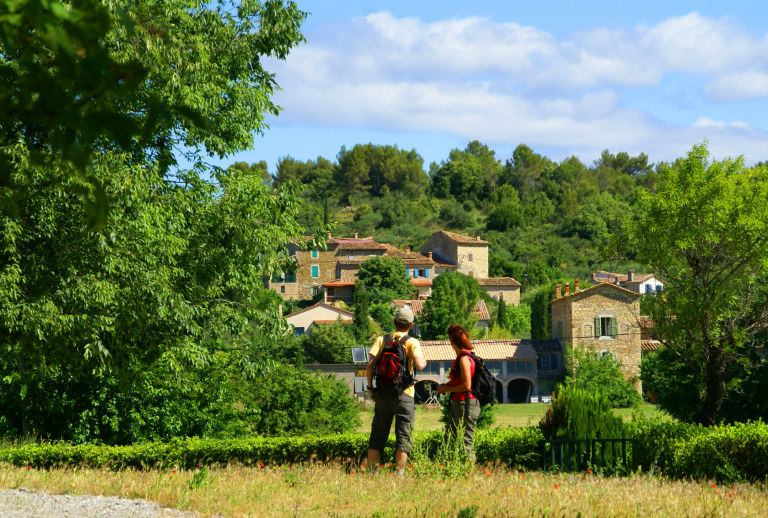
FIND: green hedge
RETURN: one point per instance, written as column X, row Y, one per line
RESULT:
column 726, row 453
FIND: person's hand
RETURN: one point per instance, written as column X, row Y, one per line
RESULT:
column 372, row 395
column 442, row 388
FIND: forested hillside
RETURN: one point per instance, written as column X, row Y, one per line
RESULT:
column 545, row 220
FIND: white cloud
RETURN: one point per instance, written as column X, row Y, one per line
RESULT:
column 507, row 83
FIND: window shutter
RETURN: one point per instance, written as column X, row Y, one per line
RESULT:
column 427, row 272
column 560, row 329
column 597, row 327
column 613, row 327
column 415, row 273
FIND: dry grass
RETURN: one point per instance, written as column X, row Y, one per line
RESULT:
column 332, row 491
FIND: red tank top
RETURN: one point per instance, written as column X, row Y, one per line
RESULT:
column 454, row 379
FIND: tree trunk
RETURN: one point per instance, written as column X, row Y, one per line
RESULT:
column 714, row 382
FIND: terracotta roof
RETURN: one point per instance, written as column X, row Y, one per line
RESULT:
column 326, row 322
column 650, row 345
column 421, row 282
column 498, row 281
column 464, row 240
column 547, row 346
column 611, row 277
column 329, row 306
column 359, row 244
column 588, row 291
column 338, row 284
column 441, row 350
column 417, row 306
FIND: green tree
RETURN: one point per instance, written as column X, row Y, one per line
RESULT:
column 330, row 343
column 594, row 373
column 705, row 233
column 385, row 279
column 143, row 78
column 471, row 173
column 453, row 301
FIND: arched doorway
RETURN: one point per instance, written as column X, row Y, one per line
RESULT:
column 519, row 390
column 424, row 389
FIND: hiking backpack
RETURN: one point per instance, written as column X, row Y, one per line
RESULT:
column 390, row 369
column 483, row 382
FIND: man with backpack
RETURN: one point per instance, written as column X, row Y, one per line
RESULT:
column 390, row 373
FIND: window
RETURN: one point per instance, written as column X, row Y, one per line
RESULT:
column 494, row 367
column 648, row 288
column 314, row 254
column 290, row 277
column 605, row 353
column 359, row 355
column 282, row 289
column 605, row 327
column 659, row 288
column 315, row 271
column 547, row 362
column 298, row 331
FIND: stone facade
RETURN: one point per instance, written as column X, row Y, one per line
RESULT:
column 604, row 317
column 470, row 255
column 502, row 288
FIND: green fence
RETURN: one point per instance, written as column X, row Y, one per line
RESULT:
column 582, row 454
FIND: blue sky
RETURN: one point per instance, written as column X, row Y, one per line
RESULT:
column 566, row 78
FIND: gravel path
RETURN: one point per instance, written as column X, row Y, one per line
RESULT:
column 23, row 503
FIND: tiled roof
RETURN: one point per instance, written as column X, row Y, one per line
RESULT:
column 464, row 240
column 650, row 345
column 338, row 284
column 498, row 281
column 326, row 322
column 588, row 291
column 329, row 306
column 417, row 306
column 547, row 346
column 441, row 350
column 359, row 244
column 611, row 277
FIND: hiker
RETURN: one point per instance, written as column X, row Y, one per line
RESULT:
column 393, row 397
column 464, row 406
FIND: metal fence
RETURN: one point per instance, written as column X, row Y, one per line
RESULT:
column 582, row 454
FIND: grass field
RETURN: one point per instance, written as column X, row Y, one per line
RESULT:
column 506, row 415
column 330, row 490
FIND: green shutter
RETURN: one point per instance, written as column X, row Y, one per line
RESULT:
column 559, row 329
column 613, row 327
column 597, row 327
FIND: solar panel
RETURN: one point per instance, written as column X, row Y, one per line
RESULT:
column 359, row 355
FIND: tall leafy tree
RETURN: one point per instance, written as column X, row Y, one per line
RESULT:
column 453, row 301
column 705, row 233
column 385, row 279
column 362, row 322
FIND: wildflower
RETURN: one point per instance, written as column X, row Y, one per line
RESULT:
column 730, row 495
column 389, row 474
column 713, row 486
column 488, row 473
column 589, row 471
column 363, row 464
column 262, row 464
column 522, row 476
column 438, row 482
column 555, row 486
column 29, row 466
column 388, row 465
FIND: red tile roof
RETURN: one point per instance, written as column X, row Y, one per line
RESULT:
column 417, row 306
column 464, row 240
column 650, row 345
column 321, row 303
column 441, row 350
column 498, row 281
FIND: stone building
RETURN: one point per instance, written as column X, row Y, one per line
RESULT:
column 605, row 317
column 470, row 255
column 502, row 288
column 639, row 283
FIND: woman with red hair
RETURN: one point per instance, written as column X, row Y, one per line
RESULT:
column 464, row 406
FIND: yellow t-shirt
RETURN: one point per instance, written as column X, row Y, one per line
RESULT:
column 412, row 348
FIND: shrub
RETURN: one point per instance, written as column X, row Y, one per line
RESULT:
column 577, row 414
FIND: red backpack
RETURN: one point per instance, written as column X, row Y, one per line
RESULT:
column 390, row 369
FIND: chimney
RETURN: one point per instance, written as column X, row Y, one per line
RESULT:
column 557, row 290
column 429, row 254
column 567, row 288
column 477, row 237
column 631, row 275
column 576, row 286
column 407, row 249
column 329, row 233
column 355, row 235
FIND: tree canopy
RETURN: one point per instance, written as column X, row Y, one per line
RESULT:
column 705, row 233
column 453, row 301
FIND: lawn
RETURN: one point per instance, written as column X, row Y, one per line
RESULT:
column 506, row 415
column 330, row 490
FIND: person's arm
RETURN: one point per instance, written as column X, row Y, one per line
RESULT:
column 466, row 378
column 369, row 375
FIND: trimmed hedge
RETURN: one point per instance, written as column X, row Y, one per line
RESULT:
column 726, row 453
